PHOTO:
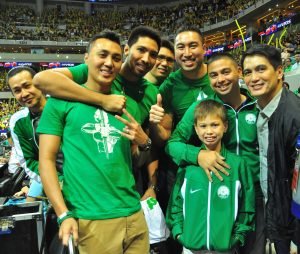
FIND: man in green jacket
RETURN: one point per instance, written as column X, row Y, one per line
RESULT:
column 240, row 138
column 24, row 122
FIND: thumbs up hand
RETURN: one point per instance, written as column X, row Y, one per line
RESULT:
column 157, row 112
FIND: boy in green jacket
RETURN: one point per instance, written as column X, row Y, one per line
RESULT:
column 212, row 215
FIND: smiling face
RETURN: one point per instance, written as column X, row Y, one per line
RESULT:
column 189, row 52
column 164, row 63
column 141, row 56
column 210, row 130
column 262, row 80
column 25, row 92
column 224, row 75
column 104, row 61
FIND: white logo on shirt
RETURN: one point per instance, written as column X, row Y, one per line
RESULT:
column 250, row 118
column 223, row 192
column 104, row 135
column 193, row 191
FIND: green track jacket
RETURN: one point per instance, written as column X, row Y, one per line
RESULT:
column 212, row 216
column 26, row 145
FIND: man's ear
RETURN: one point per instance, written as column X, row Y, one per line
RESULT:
column 280, row 72
column 240, row 72
column 126, row 50
column 86, row 56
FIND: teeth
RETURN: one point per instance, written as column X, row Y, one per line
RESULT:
column 106, row 72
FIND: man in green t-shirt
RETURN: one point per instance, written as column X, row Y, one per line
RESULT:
column 183, row 86
column 98, row 201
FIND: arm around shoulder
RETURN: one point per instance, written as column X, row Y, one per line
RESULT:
column 60, row 84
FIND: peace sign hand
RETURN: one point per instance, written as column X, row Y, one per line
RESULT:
column 132, row 130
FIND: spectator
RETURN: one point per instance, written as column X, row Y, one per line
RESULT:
column 278, row 126
column 296, row 65
column 99, row 223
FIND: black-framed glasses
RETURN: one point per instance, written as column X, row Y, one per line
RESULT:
column 162, row 58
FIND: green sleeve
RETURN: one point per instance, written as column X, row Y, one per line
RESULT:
column 53, row 118
column 79, row 73
column 174, row 216
column 177, row 146
column 245, row 218
column 27, row 152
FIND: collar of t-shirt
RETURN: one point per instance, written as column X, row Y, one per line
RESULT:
column 135, row 90
column 194, row 82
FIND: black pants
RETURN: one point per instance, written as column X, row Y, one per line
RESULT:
column 159, row 248
column 256, row 241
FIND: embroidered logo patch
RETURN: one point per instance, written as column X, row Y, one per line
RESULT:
column 223, row 192
column 250, row 118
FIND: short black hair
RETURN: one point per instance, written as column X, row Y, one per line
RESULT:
column 14, row 71
column 190, row 28
column 105, row 34
column 219, row 56
column 167, row 44
column 144, row 31
column 271, row 53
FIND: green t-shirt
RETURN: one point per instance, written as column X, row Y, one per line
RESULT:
column 98, row 179
column 143, row 92
column 178, row 93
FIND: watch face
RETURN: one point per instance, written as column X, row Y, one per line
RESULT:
column 146, row 146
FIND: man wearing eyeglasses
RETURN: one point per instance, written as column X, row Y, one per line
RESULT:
column 164, row 64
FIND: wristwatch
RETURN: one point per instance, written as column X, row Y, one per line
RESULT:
column 153, row 187
column 146, row 147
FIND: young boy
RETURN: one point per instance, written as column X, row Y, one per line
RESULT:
column 216, row 215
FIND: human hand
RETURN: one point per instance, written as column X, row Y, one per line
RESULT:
column 212, row 161
column 22, row 192
column 133, row 130
column 67, row 228
column 149, row 193
column 114, row 103
column 156, row 112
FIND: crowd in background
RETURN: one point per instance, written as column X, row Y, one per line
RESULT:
column 7, row 108
column 74, row 24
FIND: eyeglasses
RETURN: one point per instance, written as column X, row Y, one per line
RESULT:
column 162, row 58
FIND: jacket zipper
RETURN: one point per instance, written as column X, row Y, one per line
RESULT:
column 237, row 124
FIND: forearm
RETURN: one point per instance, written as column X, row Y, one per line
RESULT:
column 182, row 153
column 177, row 147
column 52, row 187
column 159, row 134
column 61, row 86
column 152, row 176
